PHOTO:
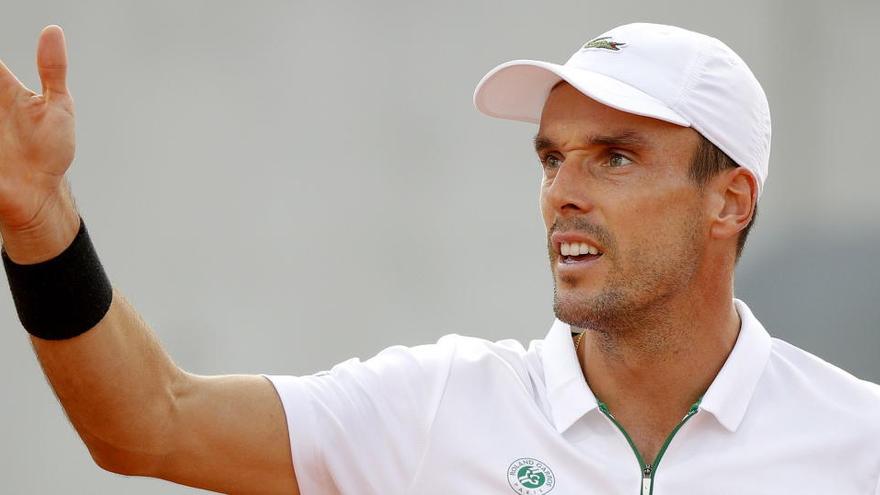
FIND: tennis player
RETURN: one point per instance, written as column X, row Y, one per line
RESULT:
column 654, row 143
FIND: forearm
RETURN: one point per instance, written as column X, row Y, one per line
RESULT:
column 116, row 384
column 114, row 381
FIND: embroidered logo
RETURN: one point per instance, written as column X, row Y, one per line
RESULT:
column 528, row 476
column 606, row 43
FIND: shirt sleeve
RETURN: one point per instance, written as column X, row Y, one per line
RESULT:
column 362, row 427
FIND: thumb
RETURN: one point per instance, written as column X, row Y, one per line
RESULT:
column 52, row 61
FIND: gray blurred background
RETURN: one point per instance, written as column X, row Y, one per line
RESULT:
column 279, row 186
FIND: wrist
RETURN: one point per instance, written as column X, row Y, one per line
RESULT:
column 47, row 236
column 64, row 296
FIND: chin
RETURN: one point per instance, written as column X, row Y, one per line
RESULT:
column 591, row 308
column 578, row 307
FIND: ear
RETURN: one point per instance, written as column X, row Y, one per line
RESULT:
column 736, row 191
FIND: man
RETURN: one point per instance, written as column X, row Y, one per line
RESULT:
column 654, row 143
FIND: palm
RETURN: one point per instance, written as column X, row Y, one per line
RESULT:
column 36, row 134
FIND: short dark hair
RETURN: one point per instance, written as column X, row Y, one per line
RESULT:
column 707, row 162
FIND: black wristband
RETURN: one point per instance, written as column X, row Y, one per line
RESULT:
column 62, row 297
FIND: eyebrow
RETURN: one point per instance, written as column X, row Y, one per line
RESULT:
column 626, row 138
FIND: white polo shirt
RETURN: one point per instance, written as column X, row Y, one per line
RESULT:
column 469, row 416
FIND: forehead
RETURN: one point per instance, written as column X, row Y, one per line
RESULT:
column 569, row 114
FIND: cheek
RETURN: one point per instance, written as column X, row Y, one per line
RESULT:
column 657, row 223
column 544, row 207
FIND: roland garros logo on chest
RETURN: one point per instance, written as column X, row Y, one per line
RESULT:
column 528, row 476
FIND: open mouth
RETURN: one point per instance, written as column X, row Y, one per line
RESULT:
column 577, row 252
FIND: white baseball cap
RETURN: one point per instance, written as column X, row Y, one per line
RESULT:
column 658, row 71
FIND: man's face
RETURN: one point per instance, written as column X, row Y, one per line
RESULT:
column 616, row 183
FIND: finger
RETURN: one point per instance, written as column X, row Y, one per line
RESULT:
column 52, row 61
column 10, row 86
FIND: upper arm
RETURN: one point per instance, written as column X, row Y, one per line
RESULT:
column 231, row 433
column 227, row 434
column 340, row 420
column 139, row 414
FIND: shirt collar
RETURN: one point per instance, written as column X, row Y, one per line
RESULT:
column 729, row 394
column 568, row 393
column 726, row 399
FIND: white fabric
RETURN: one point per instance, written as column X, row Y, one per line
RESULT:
column 462, row 415
column 658, row 71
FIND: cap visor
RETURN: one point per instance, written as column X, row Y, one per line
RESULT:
column 517, row 90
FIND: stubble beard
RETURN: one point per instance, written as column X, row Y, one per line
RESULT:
column 632, row 306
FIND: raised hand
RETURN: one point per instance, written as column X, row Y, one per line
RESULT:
column 37, row 139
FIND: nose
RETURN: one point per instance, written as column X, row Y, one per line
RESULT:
column 568, row 192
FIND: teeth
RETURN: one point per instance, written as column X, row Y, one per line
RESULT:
column 577, row 248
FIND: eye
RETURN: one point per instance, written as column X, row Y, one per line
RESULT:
column 617, row 160
column 551, row 161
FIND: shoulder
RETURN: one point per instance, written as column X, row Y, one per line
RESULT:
column 474, row 365
column 823, row 412
column 468, row 355
column 478, row 356
column 476, row 349
column 823, row 386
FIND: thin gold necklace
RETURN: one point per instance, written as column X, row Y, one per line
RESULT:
column 578, row 342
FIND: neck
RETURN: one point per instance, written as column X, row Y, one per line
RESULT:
column 667, row 363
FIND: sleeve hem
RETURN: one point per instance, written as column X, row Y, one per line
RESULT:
column 301, row 427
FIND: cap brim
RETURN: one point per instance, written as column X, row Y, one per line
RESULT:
column 517, row 90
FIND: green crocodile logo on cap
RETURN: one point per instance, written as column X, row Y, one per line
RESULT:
column 606, row 43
